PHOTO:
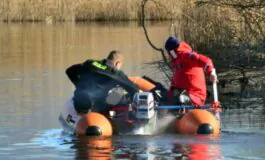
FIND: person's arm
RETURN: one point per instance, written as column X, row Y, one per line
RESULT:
column 199, row 60
column 206, row 63
column 73, row 72
column 129, row 86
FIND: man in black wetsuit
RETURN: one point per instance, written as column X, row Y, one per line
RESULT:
column 94, row 80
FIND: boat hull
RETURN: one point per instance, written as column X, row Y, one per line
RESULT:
column 194, row 121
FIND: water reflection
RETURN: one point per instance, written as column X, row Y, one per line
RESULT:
column 166, row 147
column 198, row 151
column 247, row 120
column 169, row 147
column 55, row 144
column 147, row 147
column 93, row 148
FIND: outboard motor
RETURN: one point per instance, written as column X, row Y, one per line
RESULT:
column 143, row 106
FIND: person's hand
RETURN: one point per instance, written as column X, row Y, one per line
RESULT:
column 213, row 76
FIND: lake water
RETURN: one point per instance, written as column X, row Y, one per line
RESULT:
column 34, row 87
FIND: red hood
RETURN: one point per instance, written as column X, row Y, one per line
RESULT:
column 184, row 48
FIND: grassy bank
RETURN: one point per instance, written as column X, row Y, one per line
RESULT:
column 82, row 10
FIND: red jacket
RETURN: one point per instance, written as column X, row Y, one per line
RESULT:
column 189, row 68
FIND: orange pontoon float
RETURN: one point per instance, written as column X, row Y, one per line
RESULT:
column 198, row 121
column 93, row 123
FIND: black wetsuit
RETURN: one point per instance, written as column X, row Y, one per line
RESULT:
column 97, row 78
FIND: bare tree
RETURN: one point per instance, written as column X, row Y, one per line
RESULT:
column 162, row 67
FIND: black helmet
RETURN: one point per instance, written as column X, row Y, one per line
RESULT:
column 82, row 101
column 171, row 43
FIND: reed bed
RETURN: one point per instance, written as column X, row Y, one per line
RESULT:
column 82, row 10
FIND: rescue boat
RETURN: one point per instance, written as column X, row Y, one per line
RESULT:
column 143, row 115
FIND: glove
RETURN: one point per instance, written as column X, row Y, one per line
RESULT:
column 213, row 76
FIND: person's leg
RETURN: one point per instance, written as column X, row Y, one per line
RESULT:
column 82, row 101
column 179, row 98
column 68, row 117
column 196, row 100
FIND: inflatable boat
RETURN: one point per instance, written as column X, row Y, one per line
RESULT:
column 144, row 116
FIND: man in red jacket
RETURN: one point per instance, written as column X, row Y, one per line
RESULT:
column 188, row 84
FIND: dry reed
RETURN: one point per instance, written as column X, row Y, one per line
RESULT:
column 81, row 10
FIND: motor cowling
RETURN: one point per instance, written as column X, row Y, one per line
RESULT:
column 143, row 106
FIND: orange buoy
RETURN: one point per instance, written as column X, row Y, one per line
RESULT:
column 93, row 124
column 198, row 121
column 142, row 83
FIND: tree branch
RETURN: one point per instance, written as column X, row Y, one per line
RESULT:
column 144, row 2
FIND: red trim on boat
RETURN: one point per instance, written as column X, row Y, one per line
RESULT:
column 120, row 108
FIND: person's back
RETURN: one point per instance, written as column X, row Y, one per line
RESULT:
column 99, row 77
